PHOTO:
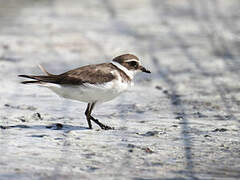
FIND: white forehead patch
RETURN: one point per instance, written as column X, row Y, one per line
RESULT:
column 133, row 60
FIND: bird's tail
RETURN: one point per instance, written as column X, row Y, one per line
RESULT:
column 44, row 70
column 40, row 79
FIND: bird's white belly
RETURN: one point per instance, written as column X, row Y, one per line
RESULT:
column 90, row 92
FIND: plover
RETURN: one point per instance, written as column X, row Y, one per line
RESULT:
column 93, row 84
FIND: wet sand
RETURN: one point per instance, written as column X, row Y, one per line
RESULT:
column 181, row 122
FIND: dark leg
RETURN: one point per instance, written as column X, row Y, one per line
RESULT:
column 88, row 115
column 102, row 126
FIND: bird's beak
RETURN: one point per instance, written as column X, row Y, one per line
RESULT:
column 143, row 69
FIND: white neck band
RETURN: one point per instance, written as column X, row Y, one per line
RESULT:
column 125, row 70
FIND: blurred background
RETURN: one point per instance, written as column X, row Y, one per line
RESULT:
column 191, row 100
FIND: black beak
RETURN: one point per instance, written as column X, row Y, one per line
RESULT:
column 143, row 69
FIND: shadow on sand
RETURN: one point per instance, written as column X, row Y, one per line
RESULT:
column 55, row 126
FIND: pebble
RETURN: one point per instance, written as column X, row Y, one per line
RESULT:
column 219, row 130
column 57, row 126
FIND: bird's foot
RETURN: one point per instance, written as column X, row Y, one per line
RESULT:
column 102, row 126
column 89, row 123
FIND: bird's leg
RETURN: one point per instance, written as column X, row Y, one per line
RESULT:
column 88, row 115
column 102, row 126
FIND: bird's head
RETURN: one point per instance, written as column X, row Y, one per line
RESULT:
column 131, row 63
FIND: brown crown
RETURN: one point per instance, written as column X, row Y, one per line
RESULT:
column 122, row 58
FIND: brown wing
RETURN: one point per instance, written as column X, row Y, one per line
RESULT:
column 93, row 74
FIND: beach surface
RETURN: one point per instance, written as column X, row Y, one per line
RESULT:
column 180, row 122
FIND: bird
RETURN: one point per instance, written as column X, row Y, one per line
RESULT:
column 93, row 84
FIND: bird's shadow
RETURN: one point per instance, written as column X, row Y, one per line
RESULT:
column 54, row 126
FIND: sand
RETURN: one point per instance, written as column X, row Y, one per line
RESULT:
column 180, row 122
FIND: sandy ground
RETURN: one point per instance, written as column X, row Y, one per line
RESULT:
column 180, row 122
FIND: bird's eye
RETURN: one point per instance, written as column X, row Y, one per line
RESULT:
column 133, row 64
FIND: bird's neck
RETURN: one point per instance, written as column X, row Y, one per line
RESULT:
column 130, row 74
